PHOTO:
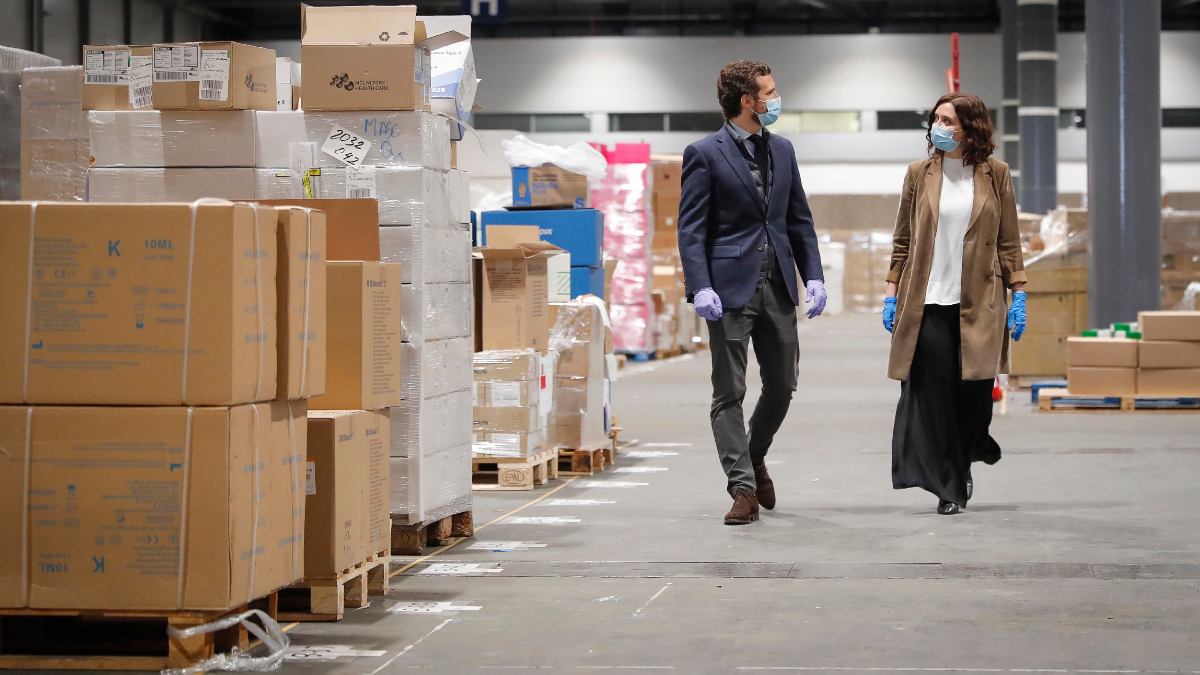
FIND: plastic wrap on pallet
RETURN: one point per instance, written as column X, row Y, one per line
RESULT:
column 428, row 255
column 435, row 311
column 425, row 426
column 12, row 63
column 459, row 189
column 506, row 365
column 580, row 336
column 510, row 443
column 627, row 235
column 54, row 142
column 431, row 486
column 580, row 418
column 411, row 138
column 185, row 185
column 633, row 327
column 631, row 282
column 153, row 138
column 1180, row 258
column 406, row 195
column 435, row 368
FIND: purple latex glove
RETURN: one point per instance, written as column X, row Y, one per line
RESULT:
column 817, row 297
column 708, row 304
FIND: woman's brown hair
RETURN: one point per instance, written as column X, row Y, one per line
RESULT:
column 976, row 122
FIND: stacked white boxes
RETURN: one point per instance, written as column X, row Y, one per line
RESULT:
column 12, row 63
column 513, row 397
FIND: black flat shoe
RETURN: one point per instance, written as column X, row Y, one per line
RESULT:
column 948, row 508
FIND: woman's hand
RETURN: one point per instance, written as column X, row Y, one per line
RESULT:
column 1016, row 315
column 889, row 313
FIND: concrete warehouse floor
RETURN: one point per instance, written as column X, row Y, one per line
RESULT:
column 1080, row 552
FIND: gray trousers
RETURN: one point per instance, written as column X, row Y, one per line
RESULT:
column 769, row 320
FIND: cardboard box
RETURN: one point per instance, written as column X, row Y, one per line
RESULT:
column 366, row 57
column 452, row 70
column 508, row 443
column 336, row 510
column 406, row 195
column 505, row 365
column 668, row 178
column 665, row 240
column 1169, row 382
column 213, row 76
column 428, row 255
column 579, row 419
column 558, row 261
column 54, row 146
column 379, row 507
column 392, row 138
column 577, row 231
column 129, row 498
column 666, row 212
column 587, row 281
column 1102, row 381
column 431, row 486
column 526, row 418
column 436, row 367
column 1102, row 352
column 514, row 310
column 431, row 425
column 1168, row 354
column 300, row 284
column 435, row 312
column 1039, row 354
column 362, row 363
column 173, row 138
column 114, row 313
column 547, row 186
column 351, row 226
column 1170, row 325
column 117, row 77
column 1065, row 280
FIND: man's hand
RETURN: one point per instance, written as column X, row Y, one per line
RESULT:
column 708, row 304
column 817, row 297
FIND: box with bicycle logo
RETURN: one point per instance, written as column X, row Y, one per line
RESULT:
column 213, row 76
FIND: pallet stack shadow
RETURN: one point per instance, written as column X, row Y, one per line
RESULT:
column 158, row 359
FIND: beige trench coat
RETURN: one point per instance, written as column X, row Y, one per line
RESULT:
column 992, row 263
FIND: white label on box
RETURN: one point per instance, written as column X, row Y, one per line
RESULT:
column 360, row 182
column 506, row 441
column 106, row 66
column 310, row 479
column 141, row 81
column 177, row 64
column 505, row 394
column 345, row 146
column 214, row 75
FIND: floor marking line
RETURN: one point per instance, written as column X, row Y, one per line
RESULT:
column 642, row 609
column 460, row 540
column 412, row 646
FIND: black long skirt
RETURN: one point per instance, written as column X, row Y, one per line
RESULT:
column 942, row 420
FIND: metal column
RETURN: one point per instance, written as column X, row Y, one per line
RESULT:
column 1037, row 67
column 1124, row 126
column 1009, row 127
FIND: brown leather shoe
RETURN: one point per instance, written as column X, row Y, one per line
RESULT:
column 766, row 487
column 745, row 509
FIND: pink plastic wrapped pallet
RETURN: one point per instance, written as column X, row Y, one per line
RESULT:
column 624, row 197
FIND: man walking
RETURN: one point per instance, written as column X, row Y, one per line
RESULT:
column 744, row 230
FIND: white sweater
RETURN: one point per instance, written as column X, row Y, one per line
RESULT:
column 957, row 200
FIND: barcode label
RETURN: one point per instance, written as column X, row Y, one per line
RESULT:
column 106, row 66
column 141, row 81
column 360, row 182
column 212, row 90
column 140, row 97
column 97, row 78
column 171, row 75
column 179, row 63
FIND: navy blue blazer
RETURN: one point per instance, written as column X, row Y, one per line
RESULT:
column 721, row 220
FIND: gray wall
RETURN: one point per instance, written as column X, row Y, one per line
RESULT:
column 106, row 25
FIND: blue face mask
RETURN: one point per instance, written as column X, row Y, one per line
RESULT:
column 774, row 107
column 943, row 138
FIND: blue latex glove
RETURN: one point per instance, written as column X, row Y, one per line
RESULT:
column 1016, row 316
column 817, row 297
column 889, row 314
column 708, row 304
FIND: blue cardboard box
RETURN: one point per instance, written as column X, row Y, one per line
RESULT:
column 548, row 186
column 587, row 280
column 579, row 231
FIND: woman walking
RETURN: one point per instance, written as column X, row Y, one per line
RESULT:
column 956, row 254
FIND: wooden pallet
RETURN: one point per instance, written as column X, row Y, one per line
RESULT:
column 1062, row 400
column 574, row 462
column 328, row 599
column 514, row 473
column 668, row 353
column 413, row 538
column 35, row 639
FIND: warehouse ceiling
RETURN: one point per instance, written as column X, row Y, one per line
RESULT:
column 280, row 19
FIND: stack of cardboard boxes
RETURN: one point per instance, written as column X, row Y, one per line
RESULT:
column 1162, row 359
column 582, row 411
column 624, row 197
column 13, row 63
column 513, row 399
column 162, row 355
column 1181, row 257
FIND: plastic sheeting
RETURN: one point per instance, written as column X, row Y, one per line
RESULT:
column 413, row 138
column 12, row 63
column 54, row 136
column 623, row 195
